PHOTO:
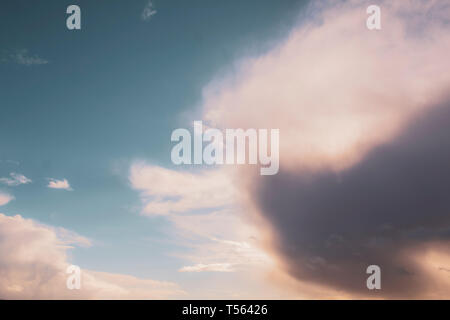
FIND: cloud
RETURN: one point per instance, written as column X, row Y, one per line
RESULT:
column 218, row 238
column 24, row 58
column 214, row 267
column 148, row 11
column 5, row 198
column 15, row 179
column 59, row 184
column 332, row 84
column 363, row 150
column 69, row 237
column 388, row 210
column 35, row 259
column 209, row 230
column 165, row 191
column 119, row 286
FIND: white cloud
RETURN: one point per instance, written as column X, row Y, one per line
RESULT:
column 15, row 179
column 34, row 259
column 335, row 89
column 332, row 84
column 210, row 239
column 214, row 267
column 24, row 58
column 148, row 11
column 59, row 184
column 165, row 191
column 5, row 198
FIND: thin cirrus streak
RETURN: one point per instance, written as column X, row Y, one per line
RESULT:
column 15, row 179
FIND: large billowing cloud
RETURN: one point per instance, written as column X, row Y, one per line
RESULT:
column 334, row 88
column 35, row 259
column 363, row 118
column 390, row 209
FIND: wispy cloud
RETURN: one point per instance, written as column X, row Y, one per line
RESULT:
column 15, row 179
column 5, row 198
column 23, row 57
column 337, row 163
column 59, row 184
column 148, row 12
column 165, row 191
column 213, row 267
column 220, row 237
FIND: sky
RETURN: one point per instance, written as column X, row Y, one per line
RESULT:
column 86, row 176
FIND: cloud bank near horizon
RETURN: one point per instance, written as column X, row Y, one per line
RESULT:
column 34, row 262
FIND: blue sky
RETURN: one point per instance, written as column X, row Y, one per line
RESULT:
column 94, row 100
column 86, row 118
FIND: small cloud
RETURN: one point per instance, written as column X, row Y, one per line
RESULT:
column 59, row 184
column 5, row 198
column 213, row 267
column 24, row 58
column 15, row 179
column 68, row 237
column 148, row 12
